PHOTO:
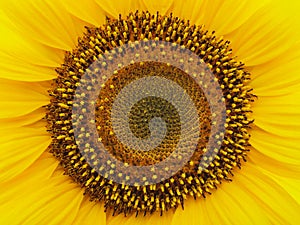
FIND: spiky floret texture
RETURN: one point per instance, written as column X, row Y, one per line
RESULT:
column 215, row 52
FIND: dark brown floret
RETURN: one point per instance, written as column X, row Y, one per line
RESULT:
column 189, row 181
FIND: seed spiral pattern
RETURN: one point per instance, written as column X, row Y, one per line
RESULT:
column 143, row 111
column 203, row 172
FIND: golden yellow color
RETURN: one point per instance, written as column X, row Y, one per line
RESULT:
column 34, row 37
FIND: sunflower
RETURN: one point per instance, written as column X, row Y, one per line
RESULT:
column 56, row 57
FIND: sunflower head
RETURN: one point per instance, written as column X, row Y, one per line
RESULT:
column 149, row 113
column 148, row 110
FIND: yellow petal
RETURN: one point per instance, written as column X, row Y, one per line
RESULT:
column 195, row 211
column 280, row 167
column 114, row 8
column 262, row 37
column 19, row 98
column 39, row 171
column 229, row 204
column 163, row 6
column 48, row 202
column 281, row 74
column 288, row 9
column 278, row 115
column 23, row 120
column 227, row 16
column 212, row 15
column 45, row 22
column 154, row 218
column 19, row 148
column 280, row 148
column 285, row 130
column 13, row 69
column 90, row 213
column 25, row 67
column 90, row 13
column 17, row 49
column 234, row 206
column 276, row 107
column 277, row 204
column 188, row 10
column 292, row 186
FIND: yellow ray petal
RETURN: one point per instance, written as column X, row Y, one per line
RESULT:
column 23, row 120
column 284, row 100
column 19, row 70
column 23, row 59
column 279, row 115
column 215, row 213
column 195, row 211
column 280, row 148
column 90, row 213
column 289, row 9
column 229, row 15
column 230, row 204
column 292, row 186
column 272, row 114
column 279, row 167
column 212, row 14
column 290, row 121
column 258, row 41
column 17, row 49
column 49, row 202
column 154, row 218
column 278, row 105
column 235, row 206
column 45, row 22
column 163, row 6
column 95, row 12
column 285, row 130
column 281, row 74
column 19, row 149
column 187, row 10
column 19, row 98
column 109, row 7
column 114, row 8
column 91, row 13
column 207, row 12
column 277, row 204
column 39, row 171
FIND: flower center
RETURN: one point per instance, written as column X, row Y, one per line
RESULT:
column 147, row 111
column 143, row 112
